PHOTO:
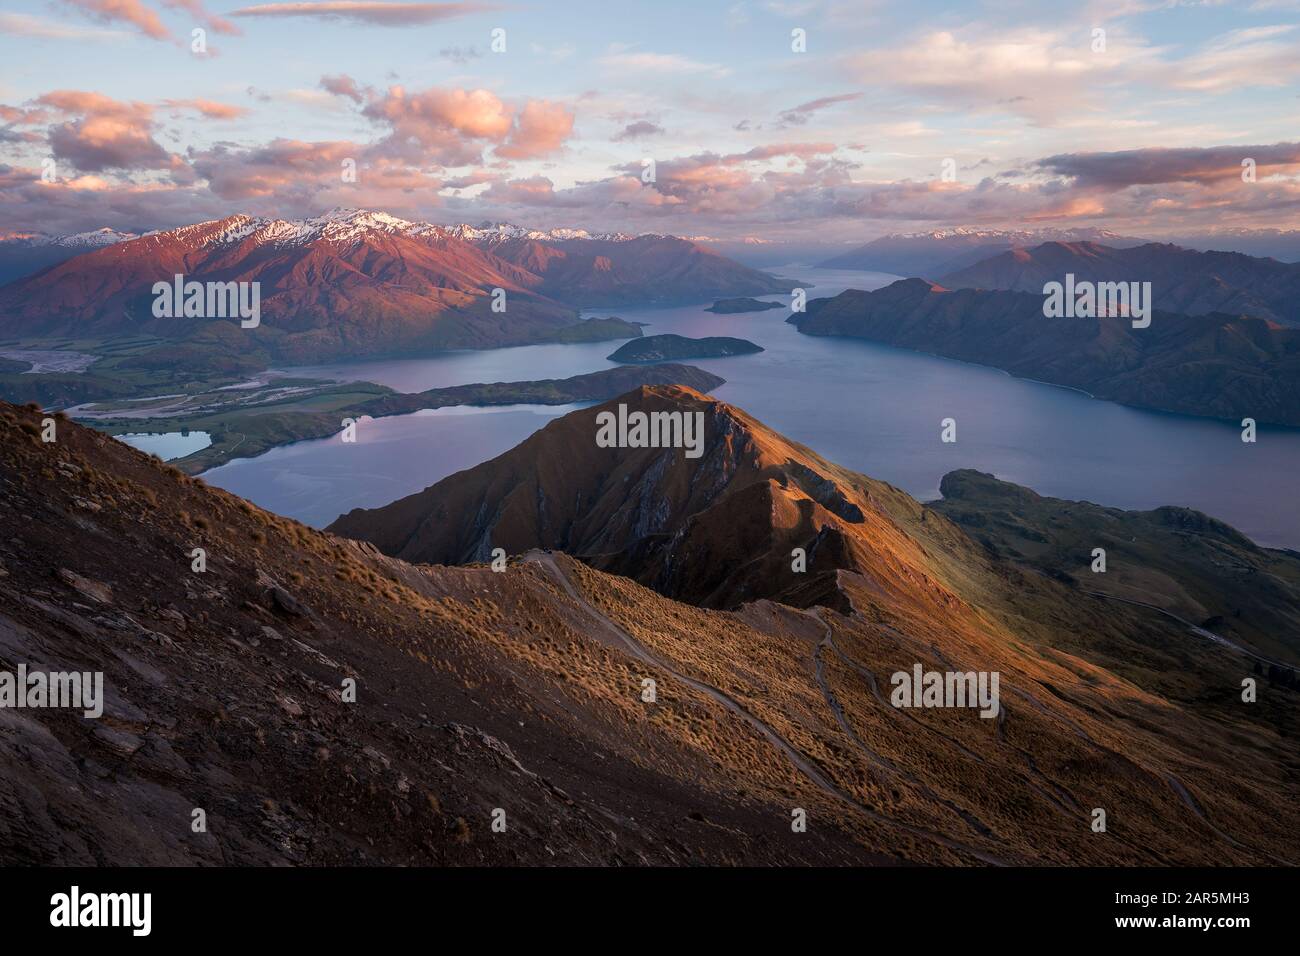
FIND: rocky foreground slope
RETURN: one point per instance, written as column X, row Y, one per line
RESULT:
column 525, row 691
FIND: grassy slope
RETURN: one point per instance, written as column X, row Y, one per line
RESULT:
column 1185, row 562
column 214, row 710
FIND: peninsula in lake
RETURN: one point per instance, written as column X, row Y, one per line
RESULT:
column 245, row 423
column 1216, row 365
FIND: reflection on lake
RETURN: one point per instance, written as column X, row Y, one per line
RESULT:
column 168, row 445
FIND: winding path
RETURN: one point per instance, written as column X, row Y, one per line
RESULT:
column 878, row 759
column 634, row 647
column 1195, row 629
column 1059, row 799
column 1062, row 797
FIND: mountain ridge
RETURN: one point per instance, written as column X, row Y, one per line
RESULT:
column 1182, row 280
column 360, row 283
column 939, row 251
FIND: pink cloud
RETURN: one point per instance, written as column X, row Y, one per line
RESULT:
column 342, row 85
column 541, row 128
column 534, row 191
column 104, row 133
column 209, row 108
column 281, row 166
column 448, row 127
column 1204, row 165
column 452, row 127
column 375, row 12
column 125, row 11
column 196, row 9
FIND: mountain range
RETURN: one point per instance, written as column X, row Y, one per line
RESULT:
column 26, row 253
column 941, row 251
column 355, row 282
column 1182, row 280
column 1218, row 365
column 607, row 722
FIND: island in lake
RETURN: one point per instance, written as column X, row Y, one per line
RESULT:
column 661, row 348
column 743, row 304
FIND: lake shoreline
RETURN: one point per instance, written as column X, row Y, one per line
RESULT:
column 872, row 408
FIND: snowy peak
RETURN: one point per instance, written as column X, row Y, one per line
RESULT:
column 502, row 231
column 339, row 225
column 343, row 225
column 94, row 239
column 1031, row 236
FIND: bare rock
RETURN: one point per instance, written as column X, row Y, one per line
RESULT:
column 91, row 589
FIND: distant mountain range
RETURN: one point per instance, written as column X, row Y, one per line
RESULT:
column 1283, row 244
column 1219, row 365
column 25, row 253
column 357, row 282
column 1182, row 280
column 928, row 254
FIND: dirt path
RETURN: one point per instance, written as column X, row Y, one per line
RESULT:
column 1055, row 794
column 1061, row 797
column 875, row 758
column 634, row 647
column 1195, row 629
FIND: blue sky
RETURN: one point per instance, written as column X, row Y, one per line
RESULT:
column 749, row 138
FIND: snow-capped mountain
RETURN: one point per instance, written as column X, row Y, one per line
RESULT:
column 351, row 225
column 355, row 281
column 24, row 253
column 502, row 231
column 81, row 240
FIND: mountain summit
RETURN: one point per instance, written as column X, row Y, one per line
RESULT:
column 716, row 528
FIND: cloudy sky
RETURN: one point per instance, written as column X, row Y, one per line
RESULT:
column 1128, row 114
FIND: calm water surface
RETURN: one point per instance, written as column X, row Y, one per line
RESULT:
column 872, row 408
column 168, row 445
